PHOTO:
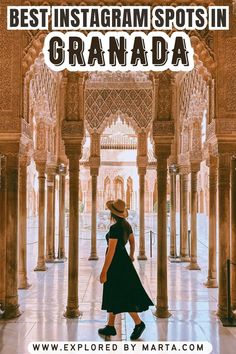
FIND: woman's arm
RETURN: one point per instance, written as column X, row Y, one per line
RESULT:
column 110, row 253
column 132, row 246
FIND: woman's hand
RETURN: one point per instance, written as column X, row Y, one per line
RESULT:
column 131, row 257
column 103, row 277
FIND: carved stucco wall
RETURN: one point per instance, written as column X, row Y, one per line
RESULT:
column 10, row 74
column 102, row 104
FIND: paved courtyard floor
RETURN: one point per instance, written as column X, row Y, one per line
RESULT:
column 193, row 306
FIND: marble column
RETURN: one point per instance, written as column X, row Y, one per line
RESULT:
column 41, row 168
column 212, row 275
column 142, row 251
column 224, row 229
column 233, row 233
column 162, row 285
column 173, row 250
column 22, row 270
column 93, row 251
column 193, row 205
column 72, row 309
column 3, row 205
column 11, row 299
column 50, row 251
column 61, row 241
column 184, row 251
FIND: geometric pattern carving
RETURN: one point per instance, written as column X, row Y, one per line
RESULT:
column 101, row 104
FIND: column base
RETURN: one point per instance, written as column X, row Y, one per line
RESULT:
column 142, row 257
column 185, row 259
column 162, row 312
column 72, row 313
column 50, row 259
column 11, row 311
column 62, row 256
column 60, row 260
column 93, row 257
column 193, row 266
column 222, row 313
column 40, row 268
column 24, row 284
column 211, row 283
column 174, row 259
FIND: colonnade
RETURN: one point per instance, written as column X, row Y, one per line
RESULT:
column 222, row 212
column 222, row 188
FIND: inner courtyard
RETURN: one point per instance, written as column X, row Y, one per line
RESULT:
column 165, row 143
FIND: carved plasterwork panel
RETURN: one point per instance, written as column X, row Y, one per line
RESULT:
column 230, row 76
column 44, row 87
column 100, row 104
column 117, row 80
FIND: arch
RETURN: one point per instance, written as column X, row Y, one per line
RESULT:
column 119, row 188
column 104, row 105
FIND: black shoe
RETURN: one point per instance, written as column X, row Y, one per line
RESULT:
column 107, row 331
column 138, row 330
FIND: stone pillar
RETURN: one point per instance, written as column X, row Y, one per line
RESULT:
column 22, row 275
column 184, row 251
column 162, row 287
column 142, row 251
column 3, row 205
column 212, row 275
column 41, row 168
column 72, row 309
column 93, row 252
column 50, row 251
column 224, row 229
column 233, row 233
column 173, row 250
column 11, row 302
column 193, row 205
column 61, row 241
column 142, row 161
column 94, row 163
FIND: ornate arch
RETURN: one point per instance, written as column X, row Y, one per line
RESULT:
column 104, row 105
column 119, row 187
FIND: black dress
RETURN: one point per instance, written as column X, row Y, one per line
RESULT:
column 123, row 291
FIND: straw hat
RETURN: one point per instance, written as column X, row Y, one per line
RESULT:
column 118, row 208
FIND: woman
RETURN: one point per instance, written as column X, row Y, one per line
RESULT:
column 122, row 290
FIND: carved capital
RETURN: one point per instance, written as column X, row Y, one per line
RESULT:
column 51, row 171
column 162, row 151
column 184, row 170
column 24, row 160
column 94, row 171
column 40, row 156
column 94, row 162
column 41, row 168
column 142, row 161
column 73, row 150
column 142, row 171
column 194, row 167
column 163, row 129
column 72, row 131
column 95, row 140
column 211, row 162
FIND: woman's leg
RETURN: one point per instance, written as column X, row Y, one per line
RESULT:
column 111, row 319
column 135, row 317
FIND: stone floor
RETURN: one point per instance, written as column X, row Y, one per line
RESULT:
column 192, row 305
